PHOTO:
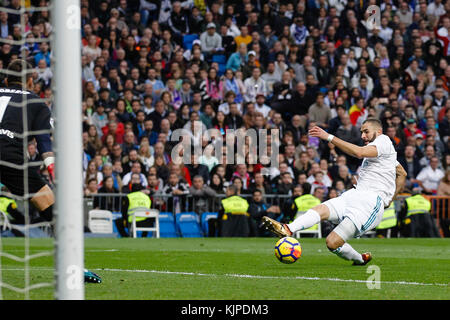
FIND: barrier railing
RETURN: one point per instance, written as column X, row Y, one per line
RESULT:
column 170, row 203
column 190, row 203
column 440, row 211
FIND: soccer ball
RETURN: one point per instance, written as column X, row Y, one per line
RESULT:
column 288, row 250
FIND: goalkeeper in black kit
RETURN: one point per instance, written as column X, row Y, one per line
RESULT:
column 13, row 136
column 23, row 117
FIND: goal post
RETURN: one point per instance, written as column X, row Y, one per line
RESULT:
column 69, row 242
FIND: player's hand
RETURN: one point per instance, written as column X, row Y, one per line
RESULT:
column 318, row 132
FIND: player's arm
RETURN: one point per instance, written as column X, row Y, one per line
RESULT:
column 347, row 147
column 400, row 179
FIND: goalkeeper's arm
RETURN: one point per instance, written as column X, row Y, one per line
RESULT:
column 44, row 145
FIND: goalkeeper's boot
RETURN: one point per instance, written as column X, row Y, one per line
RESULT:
column 366, row 256
column 279, row 229
column 91, row 277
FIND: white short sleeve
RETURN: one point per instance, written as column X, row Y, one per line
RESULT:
column 383, row 144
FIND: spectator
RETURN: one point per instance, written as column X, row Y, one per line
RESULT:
column 92, row 172
column 260, row 105
column 320, row 193
column 208, row 158
column 283, row 93
column 308, row 68
column 229, row 99
column 231, row 83
column 136, row 168
column 238, row 59
column 201, row 195
column 233, row 118
column 319, row 112
column 162, row 170
column 195, row 168
column 211, row 41
column 211, row 87
column 429, row 177
column 91, row 187
column 286, row 183
column 299, row 31
column 257, row 209
column 111, row 203
column 271, row 77
column 410, row 162
column 347, row 131
column 243, row 38
column 178, row 190
column 254, row 85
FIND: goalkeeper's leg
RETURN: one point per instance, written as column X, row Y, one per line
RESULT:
column 42, row 195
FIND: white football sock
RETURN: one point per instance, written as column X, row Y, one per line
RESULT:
column 305, row 221
column 348, row 253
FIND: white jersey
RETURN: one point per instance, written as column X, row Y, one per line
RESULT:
column 378, row 174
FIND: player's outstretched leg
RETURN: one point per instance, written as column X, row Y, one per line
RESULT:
column 336, row 244
column 305, row 221
column 279, row 229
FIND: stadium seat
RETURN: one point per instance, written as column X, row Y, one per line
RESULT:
column 188, row 40
column 188, row 224
column 204, row 220
column 145, row 213
column 167, row 228
column 100, row 221
column 220, row 59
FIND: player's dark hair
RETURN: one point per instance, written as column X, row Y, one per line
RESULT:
column 374, row 122
column 19, row 66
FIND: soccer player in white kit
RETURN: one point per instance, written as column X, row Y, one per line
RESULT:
column 360, row 209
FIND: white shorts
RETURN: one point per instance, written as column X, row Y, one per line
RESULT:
column 363, row 208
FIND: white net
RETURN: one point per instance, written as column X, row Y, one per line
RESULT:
column 26, row 244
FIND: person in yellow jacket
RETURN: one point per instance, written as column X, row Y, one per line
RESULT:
column 304, row 202
column 135, row 199
column 416, row 217
column 233, row 218
column 9, row 207
column 388, row 224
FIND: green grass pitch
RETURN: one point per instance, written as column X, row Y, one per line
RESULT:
column 241, row 269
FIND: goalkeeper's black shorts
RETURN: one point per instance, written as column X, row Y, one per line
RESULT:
column 14, row 179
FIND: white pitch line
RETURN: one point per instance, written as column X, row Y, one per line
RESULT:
column 273, row 277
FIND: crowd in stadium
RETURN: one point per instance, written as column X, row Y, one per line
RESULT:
column 151, row 67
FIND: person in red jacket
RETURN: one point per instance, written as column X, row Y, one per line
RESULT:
column 411, row 129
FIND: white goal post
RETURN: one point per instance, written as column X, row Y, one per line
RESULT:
column 69, row 242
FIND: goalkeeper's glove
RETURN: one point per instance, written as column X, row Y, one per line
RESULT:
column 91, row 277
column 50, row 165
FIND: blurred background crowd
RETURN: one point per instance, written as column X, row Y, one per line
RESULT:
column 151, row 67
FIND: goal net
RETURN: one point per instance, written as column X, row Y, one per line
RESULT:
column 40, row 259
